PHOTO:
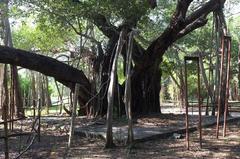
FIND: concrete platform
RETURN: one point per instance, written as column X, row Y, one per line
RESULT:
column 147, row 132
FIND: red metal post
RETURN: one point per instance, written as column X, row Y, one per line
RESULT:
column 39, row 119
column 220, row 89
column 227, row 87
column 186, row 104
column 199, row 100
column 199, row 105
column 238, row 69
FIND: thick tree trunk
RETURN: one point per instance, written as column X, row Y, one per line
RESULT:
column 17, row 93
column 4, row 101
column 103, row 71
column 145, row 91
column 18, row 101
column 147, row 75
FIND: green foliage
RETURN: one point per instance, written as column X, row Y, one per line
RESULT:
column 120, row 71
column 50, row 88
column 40, row 37
column 234, row 27
column 25, row 84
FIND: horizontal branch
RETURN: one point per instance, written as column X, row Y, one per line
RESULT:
column 196, row 24
column 62, row 72
column 208, row 7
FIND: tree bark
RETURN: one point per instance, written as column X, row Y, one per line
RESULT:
column 147, row 74
column 238, row 71
column 63, row 73
column 17, row 93
column 128, row 91
column 111, row 93
column 4, row 105
column 33, row 92
column 145, row 91
column 18, row 101
column 47, row 94
column 71, row 131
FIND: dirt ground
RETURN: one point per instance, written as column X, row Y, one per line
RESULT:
column 54, row 141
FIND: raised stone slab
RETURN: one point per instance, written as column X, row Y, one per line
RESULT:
column 144, row 133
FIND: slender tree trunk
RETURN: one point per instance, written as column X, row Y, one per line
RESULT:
column 17, row 93
column 182, row 90
column 11, row 101
column 34, row 93
column 235, row 88
column 109, row 136
column 39, row 90
column 60, row 96
column 217, row 67
column 238, row 71
column 128, row 91
column 47, row 94
column 71, row 132
column 205, row 79
column 181, row 81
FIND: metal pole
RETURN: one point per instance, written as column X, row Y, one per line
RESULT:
column 34, row 108
column 227, row 87
column 6, row 138
column 12, row 98
column 39, row 119
column 238, row 70
column 220, row 89
column 186, row 104
column 199, row 106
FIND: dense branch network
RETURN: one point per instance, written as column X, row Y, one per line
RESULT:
column 181, row 24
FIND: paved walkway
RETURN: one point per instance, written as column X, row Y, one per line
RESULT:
column 143, row 132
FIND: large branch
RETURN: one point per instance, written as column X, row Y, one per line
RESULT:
column 62, row 72
column 208, row 7
column 196, row 24
column 182, row 8
column 180, row 26
column 104, row 25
